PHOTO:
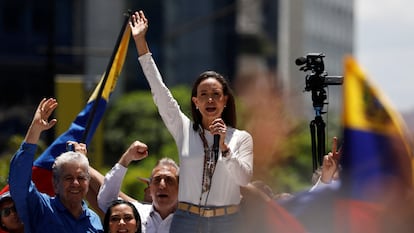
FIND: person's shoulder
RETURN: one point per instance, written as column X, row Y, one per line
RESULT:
column 142, row 205
column 25, row 148
column 92, row 213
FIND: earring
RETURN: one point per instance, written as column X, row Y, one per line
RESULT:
column 197, row 107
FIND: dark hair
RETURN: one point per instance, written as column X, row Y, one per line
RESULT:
column 109, row 212
column 229, row 113
column 4, row 197
column 2, row 200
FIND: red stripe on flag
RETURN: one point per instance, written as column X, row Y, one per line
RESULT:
column 280, row 220
column 357, row 217
column 43, row 179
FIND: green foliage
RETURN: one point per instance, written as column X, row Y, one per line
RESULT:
column 294, row 172
column 133, row 117
column 12, row 145
column 4, row 170
column 182, row 94
column 242, row 113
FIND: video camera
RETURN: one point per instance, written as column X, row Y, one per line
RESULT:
column 318, row 77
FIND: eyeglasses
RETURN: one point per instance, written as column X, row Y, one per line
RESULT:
column 5, row 212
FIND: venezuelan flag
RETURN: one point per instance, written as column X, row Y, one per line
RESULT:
column 376, row 161
column 377, row 146
column 84, row 126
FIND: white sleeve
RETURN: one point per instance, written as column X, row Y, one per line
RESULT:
column 109, row 191
column 239, row 162
column 168, row 107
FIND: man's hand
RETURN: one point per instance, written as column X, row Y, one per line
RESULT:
column 41, row 120
column 78, row 147
column 136, row 151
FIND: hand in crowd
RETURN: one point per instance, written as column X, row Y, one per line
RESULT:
column 218, row 126
column 330, row 163
column 78, row 147
column 136, row 151
column 43, row 112
column 138, row 24
column 41, row 120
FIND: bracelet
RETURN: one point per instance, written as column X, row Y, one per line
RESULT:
column 225, row 153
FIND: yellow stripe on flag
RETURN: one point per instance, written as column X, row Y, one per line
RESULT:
column 365, row 108
column 116, row 68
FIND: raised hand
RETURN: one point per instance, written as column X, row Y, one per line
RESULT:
column 139, row 27
column 136, row 151
column 78, row 147
column 41, row 120
column 330, row 163
column 138, row 24
column 43, row 112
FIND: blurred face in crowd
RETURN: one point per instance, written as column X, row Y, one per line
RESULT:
column 73, row 182
column 10, row 221
column 164, row 188
column 122, row 219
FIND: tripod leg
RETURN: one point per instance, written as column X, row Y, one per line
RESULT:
column 312, row 127
column 320, row 131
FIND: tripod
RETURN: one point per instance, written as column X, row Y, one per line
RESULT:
column 317, row 128
column 316, row 82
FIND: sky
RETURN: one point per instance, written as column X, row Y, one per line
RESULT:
column 384, row 47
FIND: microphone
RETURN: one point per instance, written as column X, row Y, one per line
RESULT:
column 300, row 61
column 216, row 146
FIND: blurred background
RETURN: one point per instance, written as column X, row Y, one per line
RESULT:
column 61, row 48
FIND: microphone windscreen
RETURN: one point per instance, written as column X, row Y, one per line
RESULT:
column 300, row 61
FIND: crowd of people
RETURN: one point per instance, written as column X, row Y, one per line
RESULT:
column 204, row 194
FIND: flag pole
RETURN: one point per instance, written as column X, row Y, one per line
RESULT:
column 108, row 69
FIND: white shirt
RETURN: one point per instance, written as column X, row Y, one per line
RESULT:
column 231, row 172
column 151, row 221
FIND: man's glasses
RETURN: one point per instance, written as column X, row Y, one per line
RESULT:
column 5, row 212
